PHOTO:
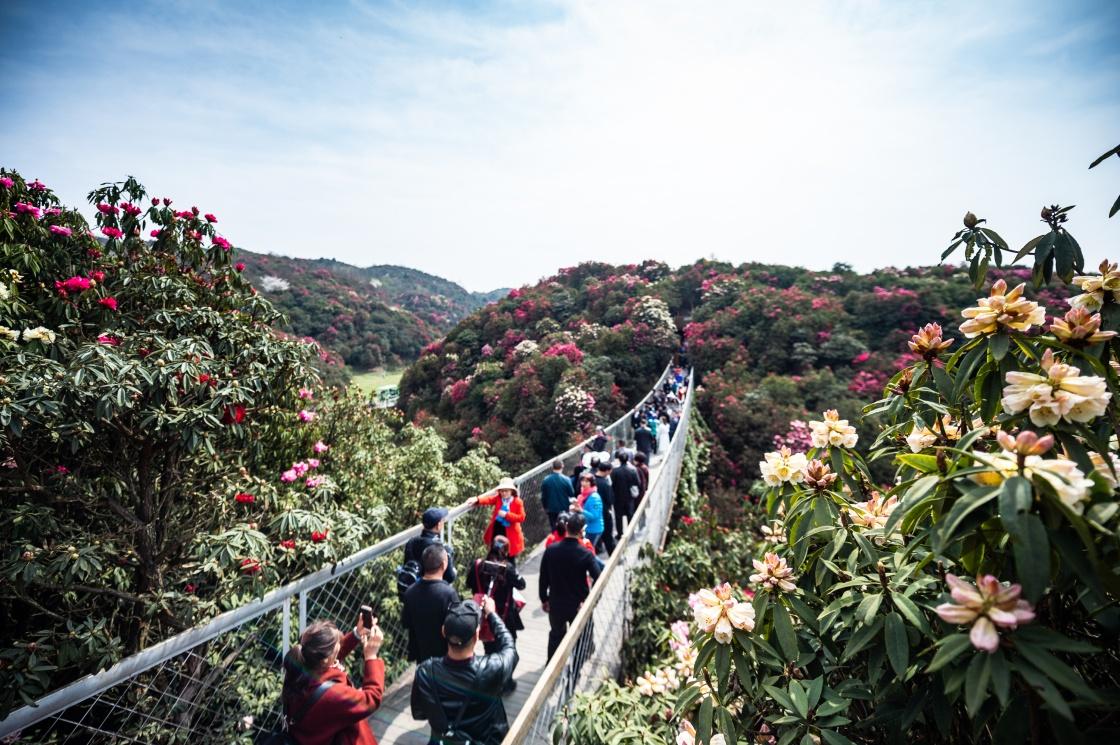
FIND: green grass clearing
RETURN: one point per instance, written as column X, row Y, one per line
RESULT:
column 374, row 379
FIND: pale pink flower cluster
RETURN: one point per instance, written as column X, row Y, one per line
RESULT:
column 320, row 447
column 875, row 512
column 1063, row 475
column 922, row 437
column 1002, row 309
column 306, row 393
column 782, row 467
column 298, row 470
column 833, row 431
column 1096, row 288
column 306, row 416
column 657, row 682
column 719, row 613
column 987, row 605
column 1061, row 392
column 773, row 573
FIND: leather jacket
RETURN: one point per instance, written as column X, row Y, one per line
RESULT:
column 442, row 687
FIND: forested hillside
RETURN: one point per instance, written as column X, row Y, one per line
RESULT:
column 380, row 315
column 771, row 344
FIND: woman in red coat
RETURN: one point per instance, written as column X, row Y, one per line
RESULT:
column 339, row 715
column 509, row 513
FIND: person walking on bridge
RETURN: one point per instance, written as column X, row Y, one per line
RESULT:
column 565, row 569
column 556, row 492
column 425, row 604
column 627, row 487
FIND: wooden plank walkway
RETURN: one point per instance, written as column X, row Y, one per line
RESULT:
column 393, row 724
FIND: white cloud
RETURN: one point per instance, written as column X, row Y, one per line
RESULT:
column 493, row 153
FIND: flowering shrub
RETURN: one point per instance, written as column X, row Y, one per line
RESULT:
column 971, row 598
column 147, row 442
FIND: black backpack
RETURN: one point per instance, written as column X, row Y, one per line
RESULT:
column 407, row 575
column 451, row 735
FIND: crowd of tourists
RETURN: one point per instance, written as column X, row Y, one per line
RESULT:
column 455, row 689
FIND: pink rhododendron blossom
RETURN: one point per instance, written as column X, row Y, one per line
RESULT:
column 773, row 573
column 313, row 482
column 37, row 185
column 131, row 209
column 109, row 302
column 987, row 605
column 155, row 233
column 109, row 340
column 210, row 217
column 61, row 470
column 306, row 416
column 301, row 468
column 320, row 447
column 112, row 232
column 97, row 275
column 220, row 241
column 61, row 230
column 306, row 393
column 6, row 182
column 73, row 284
column 313, row 462
column 487, row 350
column 239, row 266
column 288, row 476
column 24, row 208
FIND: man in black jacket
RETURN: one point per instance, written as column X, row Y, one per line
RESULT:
column 565, row 568
column 627, row 487
column 557, row 493
column 460, row 695
column 433, row 528
column 644, row 440
column 606, row 493
column 425, row 605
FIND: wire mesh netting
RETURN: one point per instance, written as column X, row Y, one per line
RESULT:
column 221, row 683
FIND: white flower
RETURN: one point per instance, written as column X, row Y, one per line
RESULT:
column 774, row 533
column 39, row 333
column 875, row 512
column 922, row 437
column 4, row 294
column 783, row 466
column 773, row 572
column 1060, row 393
column 718, row 613
column 1095, row 287
column 833, row 431
column 1067, row 480
column 1101, row 466
column 12, row 334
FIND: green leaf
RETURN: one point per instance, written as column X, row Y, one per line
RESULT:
column 1015, row 498
column 910, row 611
column 1029, row 246
column 961, row 509
column 835, row 738
column 803, row 611
column 783, row 628
column 998, row 344
column 976, row 682
column 1031, row 548
column 1001, row 676
column 704, row 724
column 800, row 698
column 868, row 607
column 949, row 649
column 1046, row 689
column 723, row 666
column 898, row 644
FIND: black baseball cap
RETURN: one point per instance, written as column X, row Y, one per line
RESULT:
column 433, row 515
column 461, row 622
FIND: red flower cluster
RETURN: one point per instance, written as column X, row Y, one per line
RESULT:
column 74, row 284
column 109, row 302
column 244, row 498
column 107, row 209
column 220, row 241
column 318, row 536
column 112, row 232
column 289, row 544
column 234, row 414
column 250, row 566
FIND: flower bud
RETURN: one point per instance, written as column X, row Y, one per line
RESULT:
column 969, row 220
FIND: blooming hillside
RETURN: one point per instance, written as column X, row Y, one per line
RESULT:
column 381, row 315
column 771, row 345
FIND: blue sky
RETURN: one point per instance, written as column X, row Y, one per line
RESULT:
column 494, row 142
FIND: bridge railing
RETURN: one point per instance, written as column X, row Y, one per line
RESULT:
column 592, row 648
column 221, row 681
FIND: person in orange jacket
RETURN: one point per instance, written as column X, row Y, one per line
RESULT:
column 509, row 513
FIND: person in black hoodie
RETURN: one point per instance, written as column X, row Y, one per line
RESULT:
column 627, row 488
column 606, row 493
column 565, row 568
column 432, row 520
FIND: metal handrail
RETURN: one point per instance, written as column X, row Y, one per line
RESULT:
column 530, row 710
column 91, row 685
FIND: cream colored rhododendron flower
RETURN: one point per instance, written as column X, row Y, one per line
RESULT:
column 1079, row 325
column 774, row 573
column 833, row 431
column 1063, row 476
column 875, row 512
column 783, row 466
column 1101, row 467
column 1002, row 309
column 1096, row 288
column 774, row 533
column 922, row 437
column 987, row 605
column 717, row 612
column 39, row 333
column 660, row 681
column 1060, row 392
column 928, row 342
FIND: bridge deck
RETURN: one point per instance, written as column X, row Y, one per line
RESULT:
column 393, row 723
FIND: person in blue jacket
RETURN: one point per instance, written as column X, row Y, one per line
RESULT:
column 591, row 504
column 557, row 493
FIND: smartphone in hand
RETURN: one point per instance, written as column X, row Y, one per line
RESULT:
column 367, row 617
